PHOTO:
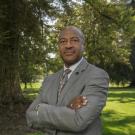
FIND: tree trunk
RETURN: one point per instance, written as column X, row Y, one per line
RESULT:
column 132, row 58
column 25, row 85
column 10, row 90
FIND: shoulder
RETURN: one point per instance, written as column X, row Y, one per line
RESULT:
column 96, row 71
column 53, row 76
column 96, row 76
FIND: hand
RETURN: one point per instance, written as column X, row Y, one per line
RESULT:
column 78, row 102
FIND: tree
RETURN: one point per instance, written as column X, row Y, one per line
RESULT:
column 9, row 50
column 132, row 56
column 132, row 59
column 108, row 35
column 20, row 20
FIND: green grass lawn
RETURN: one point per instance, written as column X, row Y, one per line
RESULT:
column 118, row 115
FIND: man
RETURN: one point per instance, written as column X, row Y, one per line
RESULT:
column 72, row 105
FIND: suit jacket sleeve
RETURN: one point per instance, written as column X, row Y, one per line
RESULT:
column 66, row 119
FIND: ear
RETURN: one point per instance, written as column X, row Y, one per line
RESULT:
column 82, row 48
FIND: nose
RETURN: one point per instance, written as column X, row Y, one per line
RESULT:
column 68, row 45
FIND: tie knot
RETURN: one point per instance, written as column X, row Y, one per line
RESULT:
column 67, row 71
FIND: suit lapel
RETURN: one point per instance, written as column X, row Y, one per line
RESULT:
column 54, row 88
column 73, row 78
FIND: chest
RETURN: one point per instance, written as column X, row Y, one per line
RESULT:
column 73, row 88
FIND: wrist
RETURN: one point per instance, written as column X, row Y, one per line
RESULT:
column 37, row 111
column 37, row 107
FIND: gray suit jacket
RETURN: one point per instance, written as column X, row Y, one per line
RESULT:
column 53, row 115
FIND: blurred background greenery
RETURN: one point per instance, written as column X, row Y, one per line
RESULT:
column 29, row 43
column 29, row 39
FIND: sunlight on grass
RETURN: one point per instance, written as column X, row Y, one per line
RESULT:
column 120, row 85
column 32, row 90
column 36, row 85
column 119, row 113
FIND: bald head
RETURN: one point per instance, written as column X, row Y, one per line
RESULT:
column 76, row 30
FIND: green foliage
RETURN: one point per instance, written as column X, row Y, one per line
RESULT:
column 132, row 60
column 108, row 31
column 23, row 42
column 36, row 41
column 33, row 42
column 27, row 41
column 132, row 56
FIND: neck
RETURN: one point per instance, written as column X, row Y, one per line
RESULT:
column 67, row 65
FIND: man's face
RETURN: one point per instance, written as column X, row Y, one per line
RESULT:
column 70, row 46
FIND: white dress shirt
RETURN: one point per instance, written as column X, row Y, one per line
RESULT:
column 73, row 67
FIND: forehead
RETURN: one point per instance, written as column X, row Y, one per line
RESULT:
column 68, row 33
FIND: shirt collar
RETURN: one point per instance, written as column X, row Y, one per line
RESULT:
column 74, row 66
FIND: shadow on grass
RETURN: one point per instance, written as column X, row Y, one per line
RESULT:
column 117, row 124
column 31, row 90
column 30, row 94
column 123, row 95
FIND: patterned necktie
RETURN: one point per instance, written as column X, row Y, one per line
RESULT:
column 64, row 80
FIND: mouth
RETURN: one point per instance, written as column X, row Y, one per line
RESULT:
column 68, row 53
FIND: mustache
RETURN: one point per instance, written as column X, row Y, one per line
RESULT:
column 69, row 50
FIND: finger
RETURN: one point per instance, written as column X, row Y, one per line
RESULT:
column 85, row 102
column 84, row 97
column 78, row 106
column 71, row 105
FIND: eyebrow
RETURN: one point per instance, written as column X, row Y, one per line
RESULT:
column 70, row 38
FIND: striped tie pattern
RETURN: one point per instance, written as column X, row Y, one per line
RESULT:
column 64, row 80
